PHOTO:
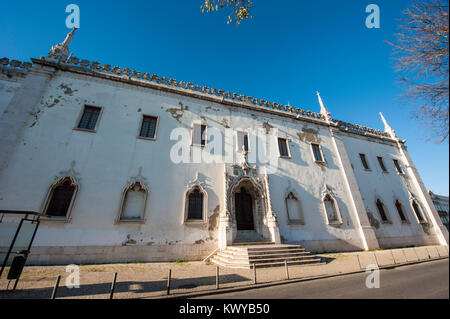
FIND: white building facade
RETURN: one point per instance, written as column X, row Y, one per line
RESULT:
column 100, row 152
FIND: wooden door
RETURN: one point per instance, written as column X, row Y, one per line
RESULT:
column 244, row 210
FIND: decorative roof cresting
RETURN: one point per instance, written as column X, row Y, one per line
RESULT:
column 60, row 54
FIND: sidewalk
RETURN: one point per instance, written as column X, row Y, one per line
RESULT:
column 149, row 280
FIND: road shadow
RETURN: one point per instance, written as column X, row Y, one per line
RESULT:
column 137, row 287
column 325, row 260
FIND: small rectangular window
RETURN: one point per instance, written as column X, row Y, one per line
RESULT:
column 398, row 167
column 283, row 147
column 199, row 135
column 364, row 161
column 89, row 119
column 317, row 153
column 148, row 127
column 380, row 161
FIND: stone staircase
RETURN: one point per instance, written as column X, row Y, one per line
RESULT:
column 245, row 254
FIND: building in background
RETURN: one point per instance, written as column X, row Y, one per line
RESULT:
column 441, row 205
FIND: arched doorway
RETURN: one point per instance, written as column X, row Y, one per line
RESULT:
column 248, row 215
column 244, row 210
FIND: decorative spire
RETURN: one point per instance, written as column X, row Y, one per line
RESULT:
column 323, row 109
column 69, row 38
column 60, row 52
column 387, row 127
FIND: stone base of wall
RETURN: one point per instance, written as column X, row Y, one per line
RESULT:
column 117, row 254
column 395, row 242
column 337, row 245
column 326, row 246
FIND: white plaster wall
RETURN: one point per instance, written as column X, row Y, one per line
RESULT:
column 8, row 87
column 107, row 159
column 308, row 179
column 388, row 187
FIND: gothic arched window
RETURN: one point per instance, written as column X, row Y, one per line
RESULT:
column 294, row 209
column 331, row 210
column 382, row 211
column 418, row 211
column 400, row 211
column 195, row 204
column 195, row 210
column 134, row 202
column 60, row 198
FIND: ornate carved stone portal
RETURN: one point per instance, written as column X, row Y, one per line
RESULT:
column 247, row 204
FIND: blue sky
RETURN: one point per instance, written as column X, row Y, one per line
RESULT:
column 285, row 53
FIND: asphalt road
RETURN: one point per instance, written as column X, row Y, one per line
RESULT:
column 424, row 280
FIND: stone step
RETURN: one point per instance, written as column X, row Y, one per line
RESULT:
column 222, row 263
column 266, row 256
column 280, row 259
column 251, row 243
column 263, row 255
column 277, row 251
column 263, row 248
column 314, row 261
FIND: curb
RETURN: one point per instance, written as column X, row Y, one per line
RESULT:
column 284, row 282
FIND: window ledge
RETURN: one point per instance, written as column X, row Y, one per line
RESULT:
column 386, row 222
column 296, row 222
column 195, row 222
column 405, row 222
column 336, row 223
column 367, row 169
column 84, row 130
column 287, row 157
column 146, row 138
column 320, row 162
column 54, row 219
column 131, row 220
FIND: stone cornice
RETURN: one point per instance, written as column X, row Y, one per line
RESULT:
column 182, row 88
column 154, row 81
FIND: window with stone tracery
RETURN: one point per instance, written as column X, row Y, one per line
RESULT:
column 294, row 209
column 196, row 205
column 332, row 210
column 382, row 211
column 400, row 211
column 418, row 211
column 133, row 204
column 60, row 198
